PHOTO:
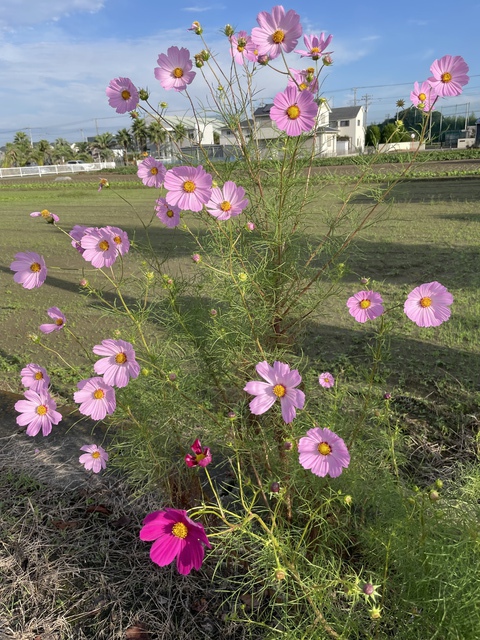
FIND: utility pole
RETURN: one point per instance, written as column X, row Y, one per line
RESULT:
column 354, row 96
column 367, row 100
column 96, row 126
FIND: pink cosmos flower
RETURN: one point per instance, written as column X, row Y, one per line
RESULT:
column 449, row 75
column 251, row 226
column 99, row 247
column 326, row 380
column 46, row 215
column 122, row 95
column 30, row 268
column 58, row 317
column 35, row 377
column 103, row 183
column 323, row 452
column 168, row 214
column 96, row 398
column 175, row 67
column 278, row 31
column 120, row 239
column 119, row 364
column 77, row 234
column 196, row 257
column 95, row 459
column 294, row 111
column 176, row 536
column 241, row 47
column 227, row 202
column 151, row 172
column 38, row 411
column 303, row 80
column 365, row 305
column 281, row 383
column 200, row 457
column 188, row 187
column 315, row 46
column 423, row 96
column 428, row 305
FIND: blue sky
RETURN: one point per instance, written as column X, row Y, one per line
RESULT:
column 57, row 56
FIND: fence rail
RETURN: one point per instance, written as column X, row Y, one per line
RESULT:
column 54, row 169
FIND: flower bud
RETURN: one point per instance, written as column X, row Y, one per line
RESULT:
column 205, row 54
column 145, row 371
column 143, row 94
column 213, row 312
column 196, row 28
column 434, row 496
column 275, row 487
column 242, row 276
column 280, row 574
column 387, row 395
column 231, row 415
column 287, row 446
column 150, row 275
column 229, row 30
column 365, row 280
column 438, row 483
column 172, row 377
column 163, row 105
column 250, row 226
column 375, row 613
column 83, row 282
column 327, row 60
column 198, row 60
column 263, row 60
column 368, row 589
column 196, row 257
column 348, row 500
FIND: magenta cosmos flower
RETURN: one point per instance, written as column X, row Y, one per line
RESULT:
column 326, row 380
column 176, row 536
column 96, row 398
column 323, row 452
column 99, row 247
column 175, row 67
column 315, row 46
column 119, row 364
column 227, row 202
column 449, row 75
column 30, row 268
column 188, row 187
column 38, row 411
column 241, row 47
column 168, row 214
column 303, row 80
column 365, row 305
column 77, row 234
column 151, row 172
column 59, row 320
column 200, row 457
column 281, row 383
column 35, row 377
column 120, row 239
column 428, row 305
column 46, row 215
column 294, row 111
column 122, row 95
column 423, row 96
column 277, row 31
column 95, row 459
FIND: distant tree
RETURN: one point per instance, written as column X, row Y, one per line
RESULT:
column 103, row 145
column 62, row 151
column 157, row 134
column 124, row 140
column 390, row 133
column 216, row 137
column 372, row 135
column 43, row 152
column 140, row 134
column 179, row 132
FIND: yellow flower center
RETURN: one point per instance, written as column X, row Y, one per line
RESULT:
column 240, row 49
column 422, row 97
column 170, row 213
column 38, row 375
column 126, row 95
column 179, row 530
column 278, row 36
column 425, row 302
column 446, row 77
column 189, row 186
column 154, row 171
column 177, row 72
column 279, row 390
column 98, row 394
column 45, row 213
column 120, row 358
column 117, row 240
column 364, row 304
column 293, row 112
column 96, row 454
column 225, row 206
column 302, row 87
column 59, row 322
column 103, row 245
column 310, row 70
column 35, row 267
column 200, row 456
column 41, row 410
column 324, row 448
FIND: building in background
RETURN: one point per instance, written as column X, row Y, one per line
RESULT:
column 350, row 124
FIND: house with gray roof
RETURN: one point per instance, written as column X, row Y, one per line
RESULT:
column 350, row 123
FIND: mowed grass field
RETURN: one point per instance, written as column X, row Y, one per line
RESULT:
column 428, row 230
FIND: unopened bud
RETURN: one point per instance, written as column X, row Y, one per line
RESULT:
column 143, row 94
column 163, row 105
column 387, row 395
column 275, row 487
column 198, row 60
column 280, row 574
column 229, row 30
column 263, row 59
column 172, row 377
column 196, row 28
column 213, row 312
column 287, row 446
column 348, row 500
column 434, row 496
column 368, row 588
column 327, row 60
column 232, row 415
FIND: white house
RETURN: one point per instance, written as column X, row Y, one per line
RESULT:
column 350, row 123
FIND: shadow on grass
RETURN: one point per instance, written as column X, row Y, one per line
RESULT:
column 428, row 190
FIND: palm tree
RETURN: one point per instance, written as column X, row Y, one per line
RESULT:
column 157, row 134
column 84, row 151
column 140, row 133
column 103, row 145
column 62, row 150
column 43, row 152
column 124, row 140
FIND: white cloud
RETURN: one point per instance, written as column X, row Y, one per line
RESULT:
column 201, row 9
column 15, row 14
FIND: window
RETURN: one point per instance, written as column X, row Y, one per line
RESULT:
column 358, row 123
column 344, row 123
